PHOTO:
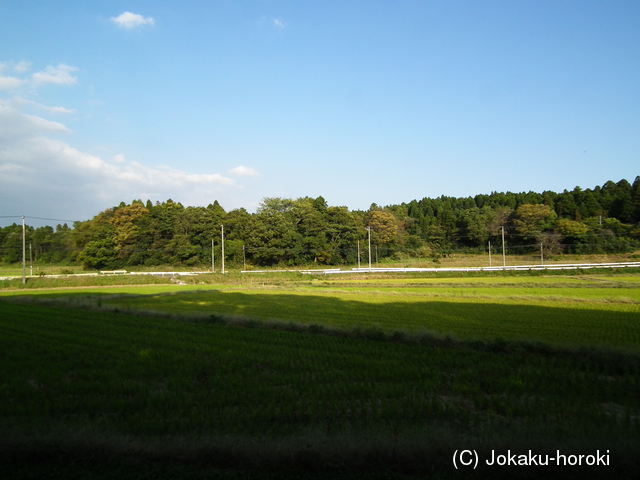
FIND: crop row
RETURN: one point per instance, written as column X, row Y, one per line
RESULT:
column 148, row 376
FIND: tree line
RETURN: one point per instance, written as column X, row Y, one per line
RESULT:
column 307, row 231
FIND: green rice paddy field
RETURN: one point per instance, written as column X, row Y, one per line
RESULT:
column 300, row 377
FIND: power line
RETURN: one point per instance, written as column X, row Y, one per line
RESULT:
column 53, row 219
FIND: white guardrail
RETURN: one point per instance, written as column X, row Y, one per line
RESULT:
column 333, row 271
column 568, row 266
column 110, row 273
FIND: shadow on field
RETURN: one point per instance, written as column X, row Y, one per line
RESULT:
column 571, row 325
column 568, row 324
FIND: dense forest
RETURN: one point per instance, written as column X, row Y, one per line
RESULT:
column 307, row 231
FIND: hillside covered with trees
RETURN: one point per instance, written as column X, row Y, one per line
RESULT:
column 308, row 231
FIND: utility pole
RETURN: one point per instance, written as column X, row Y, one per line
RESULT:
column 489, row 252
column 244, row 258
column 222, row 234
column 504, row 258
column 24, row 266
column 213, row 258
column 369, row 230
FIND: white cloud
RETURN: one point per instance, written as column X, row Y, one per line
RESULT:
column 131, row 20
column 278, row 23
column 22, row 67
column 15, row 125
column 19, row 102
column 52, row 178
column 9, row 83
column 243, row 171
column 55, row 158
column 58, row 109
column 45, row 125
column 60, row 75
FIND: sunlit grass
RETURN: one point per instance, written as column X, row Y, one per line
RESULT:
column 620, row 278
column 614, row 324
column 497, row 280
column 547, row 293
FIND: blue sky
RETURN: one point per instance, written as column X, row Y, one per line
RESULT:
column 357, row 101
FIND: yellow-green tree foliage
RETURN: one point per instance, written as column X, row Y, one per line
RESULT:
column 531, row 220
column 384, row 225
column 124, row 220
column 571, row 228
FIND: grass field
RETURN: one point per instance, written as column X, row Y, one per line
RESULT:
column 296, row 377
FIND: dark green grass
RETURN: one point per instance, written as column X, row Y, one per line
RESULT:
column 210, row 396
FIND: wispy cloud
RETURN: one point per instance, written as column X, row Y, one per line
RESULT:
column 22, row 67
column 32, row 160
column 278, row 23
column 58, row 109
column 60, row 75
column 15, row 126
column 23, row 139
column 241, row 171
column 132, row 20
column 9, row 83
column 19, row 102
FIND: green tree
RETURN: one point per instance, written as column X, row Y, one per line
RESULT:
column 99, row 254
column 124, row 221
column 273, row 237
column 384, row 227
column 570, row 229
column 531, row 220
column 342, row 234
column 565, row 205
column 476, row 224
column 635, row 200
column 12, row 244
column 310, row 219
column 95, row 240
